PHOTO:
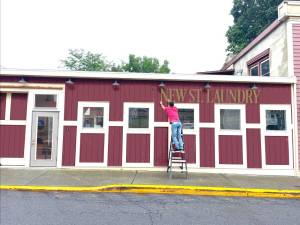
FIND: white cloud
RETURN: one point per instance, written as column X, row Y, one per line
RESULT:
column 189, row 33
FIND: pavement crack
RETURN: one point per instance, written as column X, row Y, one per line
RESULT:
column 42, row 174
column 134, row 177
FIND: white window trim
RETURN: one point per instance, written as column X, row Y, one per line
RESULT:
column 252, row 67
column 195, row 131
column 241, row 132
column 260, row 67
column 127, row 130
column 81, row 130
column 264, row 132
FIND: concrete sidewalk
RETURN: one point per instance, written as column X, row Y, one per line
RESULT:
column 93, row 178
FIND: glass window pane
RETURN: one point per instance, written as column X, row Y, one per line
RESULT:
column 187, row 118
column 275, row 120
column 265, row 68
column 45, row 100
column 254, row 71
column 44, row 137
column 138, row 118
column 230, row 119
column 93, row 117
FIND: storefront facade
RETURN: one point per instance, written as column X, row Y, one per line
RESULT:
column 113, row 120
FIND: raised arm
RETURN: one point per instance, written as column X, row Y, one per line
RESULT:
column 162, row 105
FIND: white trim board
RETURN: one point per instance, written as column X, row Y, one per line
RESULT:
column 12, row 161
column 147, row 76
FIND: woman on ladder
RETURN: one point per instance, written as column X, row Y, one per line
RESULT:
column 176, row 126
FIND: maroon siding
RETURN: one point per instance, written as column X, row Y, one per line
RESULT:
column 138, row 148
column 115, row 146
column 190, row 148
column 18, row 106
column 230, row 149
column 253, row 148
column 12, row 139
column 91, row 148
column 207, row 113
column 2, row 105
column 161, row 146
column 277, row 150
column 207, row 147
column 252, row 113
column 296, row 47
column 69, row 146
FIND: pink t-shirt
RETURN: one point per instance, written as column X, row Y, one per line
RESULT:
column 172, row 113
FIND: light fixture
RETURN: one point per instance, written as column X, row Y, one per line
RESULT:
column 69, row 81
column 162, row 84
column 115, row 84
column 253, row 87
column 22, row 80
column 207, row 86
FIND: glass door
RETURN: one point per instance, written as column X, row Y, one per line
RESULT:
column 44, row 139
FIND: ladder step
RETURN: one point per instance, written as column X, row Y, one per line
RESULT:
column 179, row 161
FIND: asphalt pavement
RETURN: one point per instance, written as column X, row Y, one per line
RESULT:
column 68, row 208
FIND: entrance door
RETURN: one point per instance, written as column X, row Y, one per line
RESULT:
column 44, row 139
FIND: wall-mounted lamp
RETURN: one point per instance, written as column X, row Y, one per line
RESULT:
column 162, row 85
column 253, row 87
column 116, row 84
column 69, row 81
column 207, row 86
column 22, row 80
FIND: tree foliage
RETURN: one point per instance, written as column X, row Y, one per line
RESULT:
column 251, row 17
column 81, row 60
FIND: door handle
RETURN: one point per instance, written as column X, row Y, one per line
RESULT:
column 32, row 142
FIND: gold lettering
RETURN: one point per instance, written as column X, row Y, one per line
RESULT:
column 248, row 96
column 181, row 93
column 192, row 96
column 240, row 96
column 199, row 92
column 163, row 95
column 219, row 97
column 256, row 95
column 232, row 95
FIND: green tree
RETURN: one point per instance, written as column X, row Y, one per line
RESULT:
column 251, row 17
column 145, row 65
column 81, row 60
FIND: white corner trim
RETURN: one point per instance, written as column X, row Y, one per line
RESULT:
column 12, row 161
column 7, row 106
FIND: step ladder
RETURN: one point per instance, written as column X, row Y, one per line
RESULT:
column 177, row 160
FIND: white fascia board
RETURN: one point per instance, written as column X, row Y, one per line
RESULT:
column 148, row 76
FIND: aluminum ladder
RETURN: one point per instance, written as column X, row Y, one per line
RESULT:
column 177, row 160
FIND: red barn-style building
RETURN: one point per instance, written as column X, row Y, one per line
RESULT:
column 233, row 124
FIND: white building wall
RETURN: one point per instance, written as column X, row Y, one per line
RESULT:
column 277, row 43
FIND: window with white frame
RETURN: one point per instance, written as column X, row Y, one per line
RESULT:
column 275, row 119
column 92, row 117
column 265, row 68
column 187, row 118
column 138, row 117
column 260, row 64
column 230, row 119
column 254, row 71
column 45, row 100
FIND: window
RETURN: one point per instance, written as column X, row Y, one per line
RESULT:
column 138, row 118
column 276, row 119
column 187, row 118
column 260, row 64
column 265, row 68
column 48, row 101
column 93, row 117
column 254, row 71
column 230, row 119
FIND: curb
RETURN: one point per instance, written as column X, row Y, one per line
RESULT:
column 167, row 189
